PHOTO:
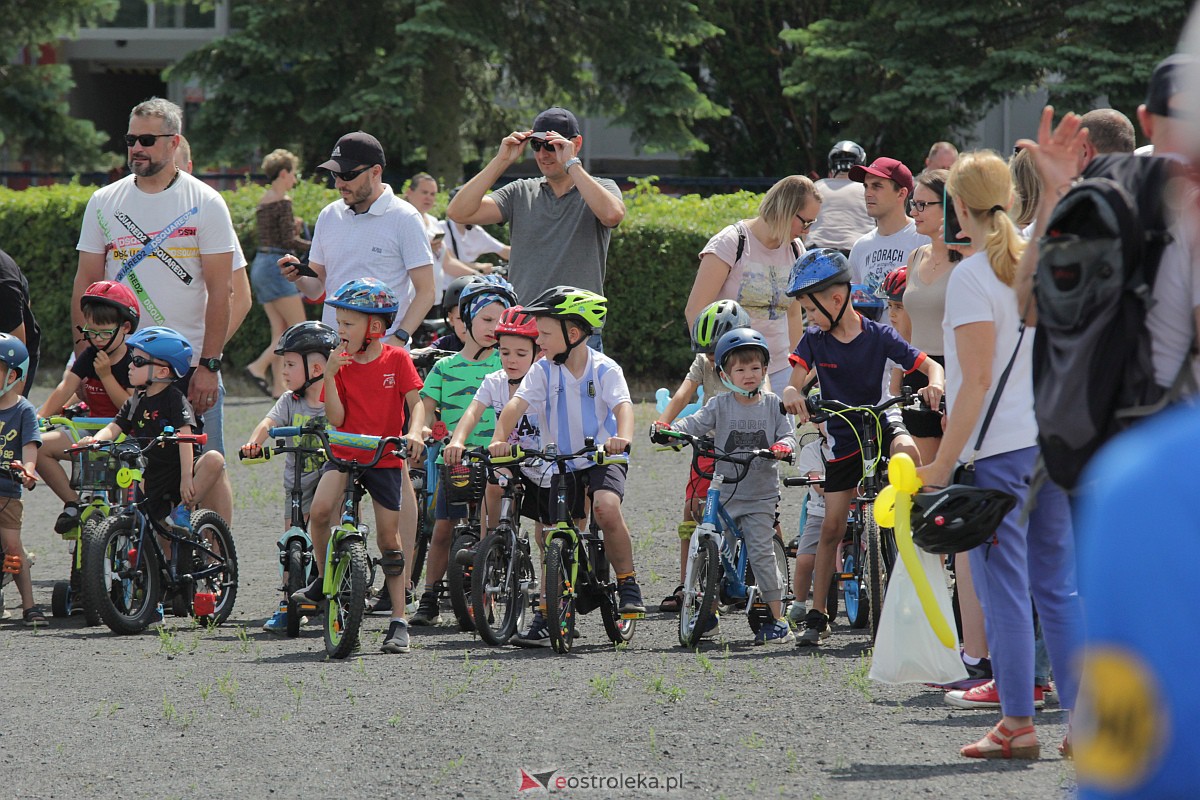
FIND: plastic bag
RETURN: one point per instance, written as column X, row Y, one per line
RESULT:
column 907, row 650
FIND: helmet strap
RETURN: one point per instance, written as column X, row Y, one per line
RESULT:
column 309, row 379
column 833, row 323
column 737, row 389
column 561, row 358
column 11, row 379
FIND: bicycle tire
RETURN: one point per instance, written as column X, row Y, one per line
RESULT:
column 421, row 548
column 873, row 575
column 297, row 579
column 127, row 604
column 560, row 597
column 344, row 611
column 831, row 600
column 91, row 617
column 858, row 605
column 700, row 593
column 210, row 528
column 458, row 580
column 496, row 598
column 60, row 599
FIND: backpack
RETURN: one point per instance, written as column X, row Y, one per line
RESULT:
column 1092, row 370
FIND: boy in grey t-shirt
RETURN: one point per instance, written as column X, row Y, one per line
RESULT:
column 747, row 419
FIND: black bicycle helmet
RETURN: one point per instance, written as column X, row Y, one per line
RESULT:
column 304, row 338
column 846, row 154
column 454, row 291
column 957, row 518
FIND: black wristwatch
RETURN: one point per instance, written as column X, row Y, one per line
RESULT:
column 403, row 335
column 211, row 364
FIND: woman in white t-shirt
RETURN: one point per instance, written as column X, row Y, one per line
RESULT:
column 982, row 332
column 751, row 261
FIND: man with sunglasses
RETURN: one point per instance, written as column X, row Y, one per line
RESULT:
column 369, row 233
column 560, row 223
column 169, row 238
column 887, row 188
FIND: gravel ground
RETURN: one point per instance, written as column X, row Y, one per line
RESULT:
column 237, row 712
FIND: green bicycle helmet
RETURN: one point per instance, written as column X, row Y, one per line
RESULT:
column 716, row 320
column 580, row 306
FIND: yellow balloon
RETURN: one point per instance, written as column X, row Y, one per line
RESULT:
column 885, row 507
column 904, row 543
column 902, row 473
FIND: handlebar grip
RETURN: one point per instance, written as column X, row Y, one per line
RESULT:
column 359, row 441
column 284, row 432
column 803, row 481
column 262, row 458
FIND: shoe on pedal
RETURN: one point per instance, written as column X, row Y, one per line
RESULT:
column 312, row 595
column 68, row 519
column 777, row 631
column 816, row 628
column 382, row 605
column 397, row 637
column 428, row 610
column 630, row 595
column 536, row 635
column 277, row 623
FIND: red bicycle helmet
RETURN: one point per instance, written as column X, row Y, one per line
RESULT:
column 516, row 322
column 117, row 295
column 892, row 288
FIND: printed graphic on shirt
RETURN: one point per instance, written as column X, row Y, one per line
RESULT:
column 763, row 291
column 748, row 440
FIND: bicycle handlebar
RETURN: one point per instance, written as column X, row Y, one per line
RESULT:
column 803, row 480
column 705, row 446
column 590, row 451
column 358, row 441
column 820, row 409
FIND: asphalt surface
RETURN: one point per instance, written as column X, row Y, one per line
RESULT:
column 192, row 713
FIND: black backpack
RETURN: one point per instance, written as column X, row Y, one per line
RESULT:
column 1092, row 371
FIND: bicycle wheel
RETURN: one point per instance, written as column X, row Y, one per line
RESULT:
column 91, row 616
column 297, row 580
column 344, row 611
column 874, row 575
column 496, row 597
column 60, row 599
column 560, row 596
column 858, row 605
column 218, row 559
column 421, row 548
column 700, row 592
column 831, row 600
column 124, row 595
column 458, row 579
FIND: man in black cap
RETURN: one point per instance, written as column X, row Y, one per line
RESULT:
column 369, row 233
column 560, row 223
column 1160, row 115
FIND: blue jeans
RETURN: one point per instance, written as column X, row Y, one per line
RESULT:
column 1036, row 556
column 214, row 420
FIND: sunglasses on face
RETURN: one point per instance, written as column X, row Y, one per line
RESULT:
column 805, row 224
column 97, row 333
column 921, row 205
column 346, row 177
column 144, row 139
column 540, row 144
column 142, row 361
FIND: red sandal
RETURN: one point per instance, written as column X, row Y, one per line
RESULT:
column 1003, row 737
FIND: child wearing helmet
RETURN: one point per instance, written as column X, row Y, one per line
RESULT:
column 449, row 388
column 746, row 418
column 19, row 442
column 457, row 337
column 849, row 355
column 305, row 348
column 713, row 322
column 367, row 386
column 100, row 375
column 158, row 358
column 580, row 393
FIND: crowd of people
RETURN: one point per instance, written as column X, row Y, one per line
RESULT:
column 861, row 283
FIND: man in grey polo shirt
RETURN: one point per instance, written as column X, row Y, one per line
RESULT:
column 560, row 223
column 369, row 233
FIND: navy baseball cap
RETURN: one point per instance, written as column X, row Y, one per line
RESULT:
column 1165, row 82
column 557, row 119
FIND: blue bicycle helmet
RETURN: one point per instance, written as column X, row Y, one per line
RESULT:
column 817, row 270
column 866, row 302
column 165, row 345
column 368, row 295
column 15, row 355
column 738, row 339
column 482, row 291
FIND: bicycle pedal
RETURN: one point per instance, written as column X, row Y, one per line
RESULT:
column 634, row 615
column 306, row 607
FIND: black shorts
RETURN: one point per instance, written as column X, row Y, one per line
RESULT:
column 384, row 484
column 846, row 473
column 161, row 486
column 585, row 482
column 923, row 422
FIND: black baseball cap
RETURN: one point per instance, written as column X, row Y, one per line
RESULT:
column 356, row 149
column 557, row 119
column 1165, row 82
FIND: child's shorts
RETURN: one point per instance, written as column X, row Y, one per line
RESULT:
column 810, row 537
column 12, row 513
column 382, row 483
column 609, row 478
column 162, row 488
column 842, row 474
column 443, row 509
column 697, row 485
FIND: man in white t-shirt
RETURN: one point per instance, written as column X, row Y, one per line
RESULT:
column 843, row 219
column 887, row 186
column 369, row 233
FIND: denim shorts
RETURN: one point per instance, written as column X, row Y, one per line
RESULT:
column 268, row 284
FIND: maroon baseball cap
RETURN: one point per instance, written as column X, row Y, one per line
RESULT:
column 353, row 150
column 888, row 168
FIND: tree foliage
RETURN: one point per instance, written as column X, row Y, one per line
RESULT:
column 35, row 120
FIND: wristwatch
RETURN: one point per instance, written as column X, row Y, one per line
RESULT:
column 211, row 364
column 570, row 163
column 402, row 335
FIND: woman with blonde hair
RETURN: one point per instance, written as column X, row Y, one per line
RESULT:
column 988, row 354
column 278, row 235
column 751, row 262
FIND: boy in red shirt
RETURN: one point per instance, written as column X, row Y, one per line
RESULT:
column 367, row 386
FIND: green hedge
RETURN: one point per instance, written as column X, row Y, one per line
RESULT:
column 651, row 264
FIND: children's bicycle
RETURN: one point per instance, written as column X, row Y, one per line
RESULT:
column 128, row 577
column 347, row 565
column 718, row 569
column 577, row 570
column 425, row 480
column 95, row 481
column 465, row 485
column 296, row 560
column 502, row 577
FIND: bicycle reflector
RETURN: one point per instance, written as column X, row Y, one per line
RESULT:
column 204, row 604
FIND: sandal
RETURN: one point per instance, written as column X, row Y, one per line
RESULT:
column 33, row 616
column 1064, row 749
column 261, row 383
column 1003, row 737
column 672, row 602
